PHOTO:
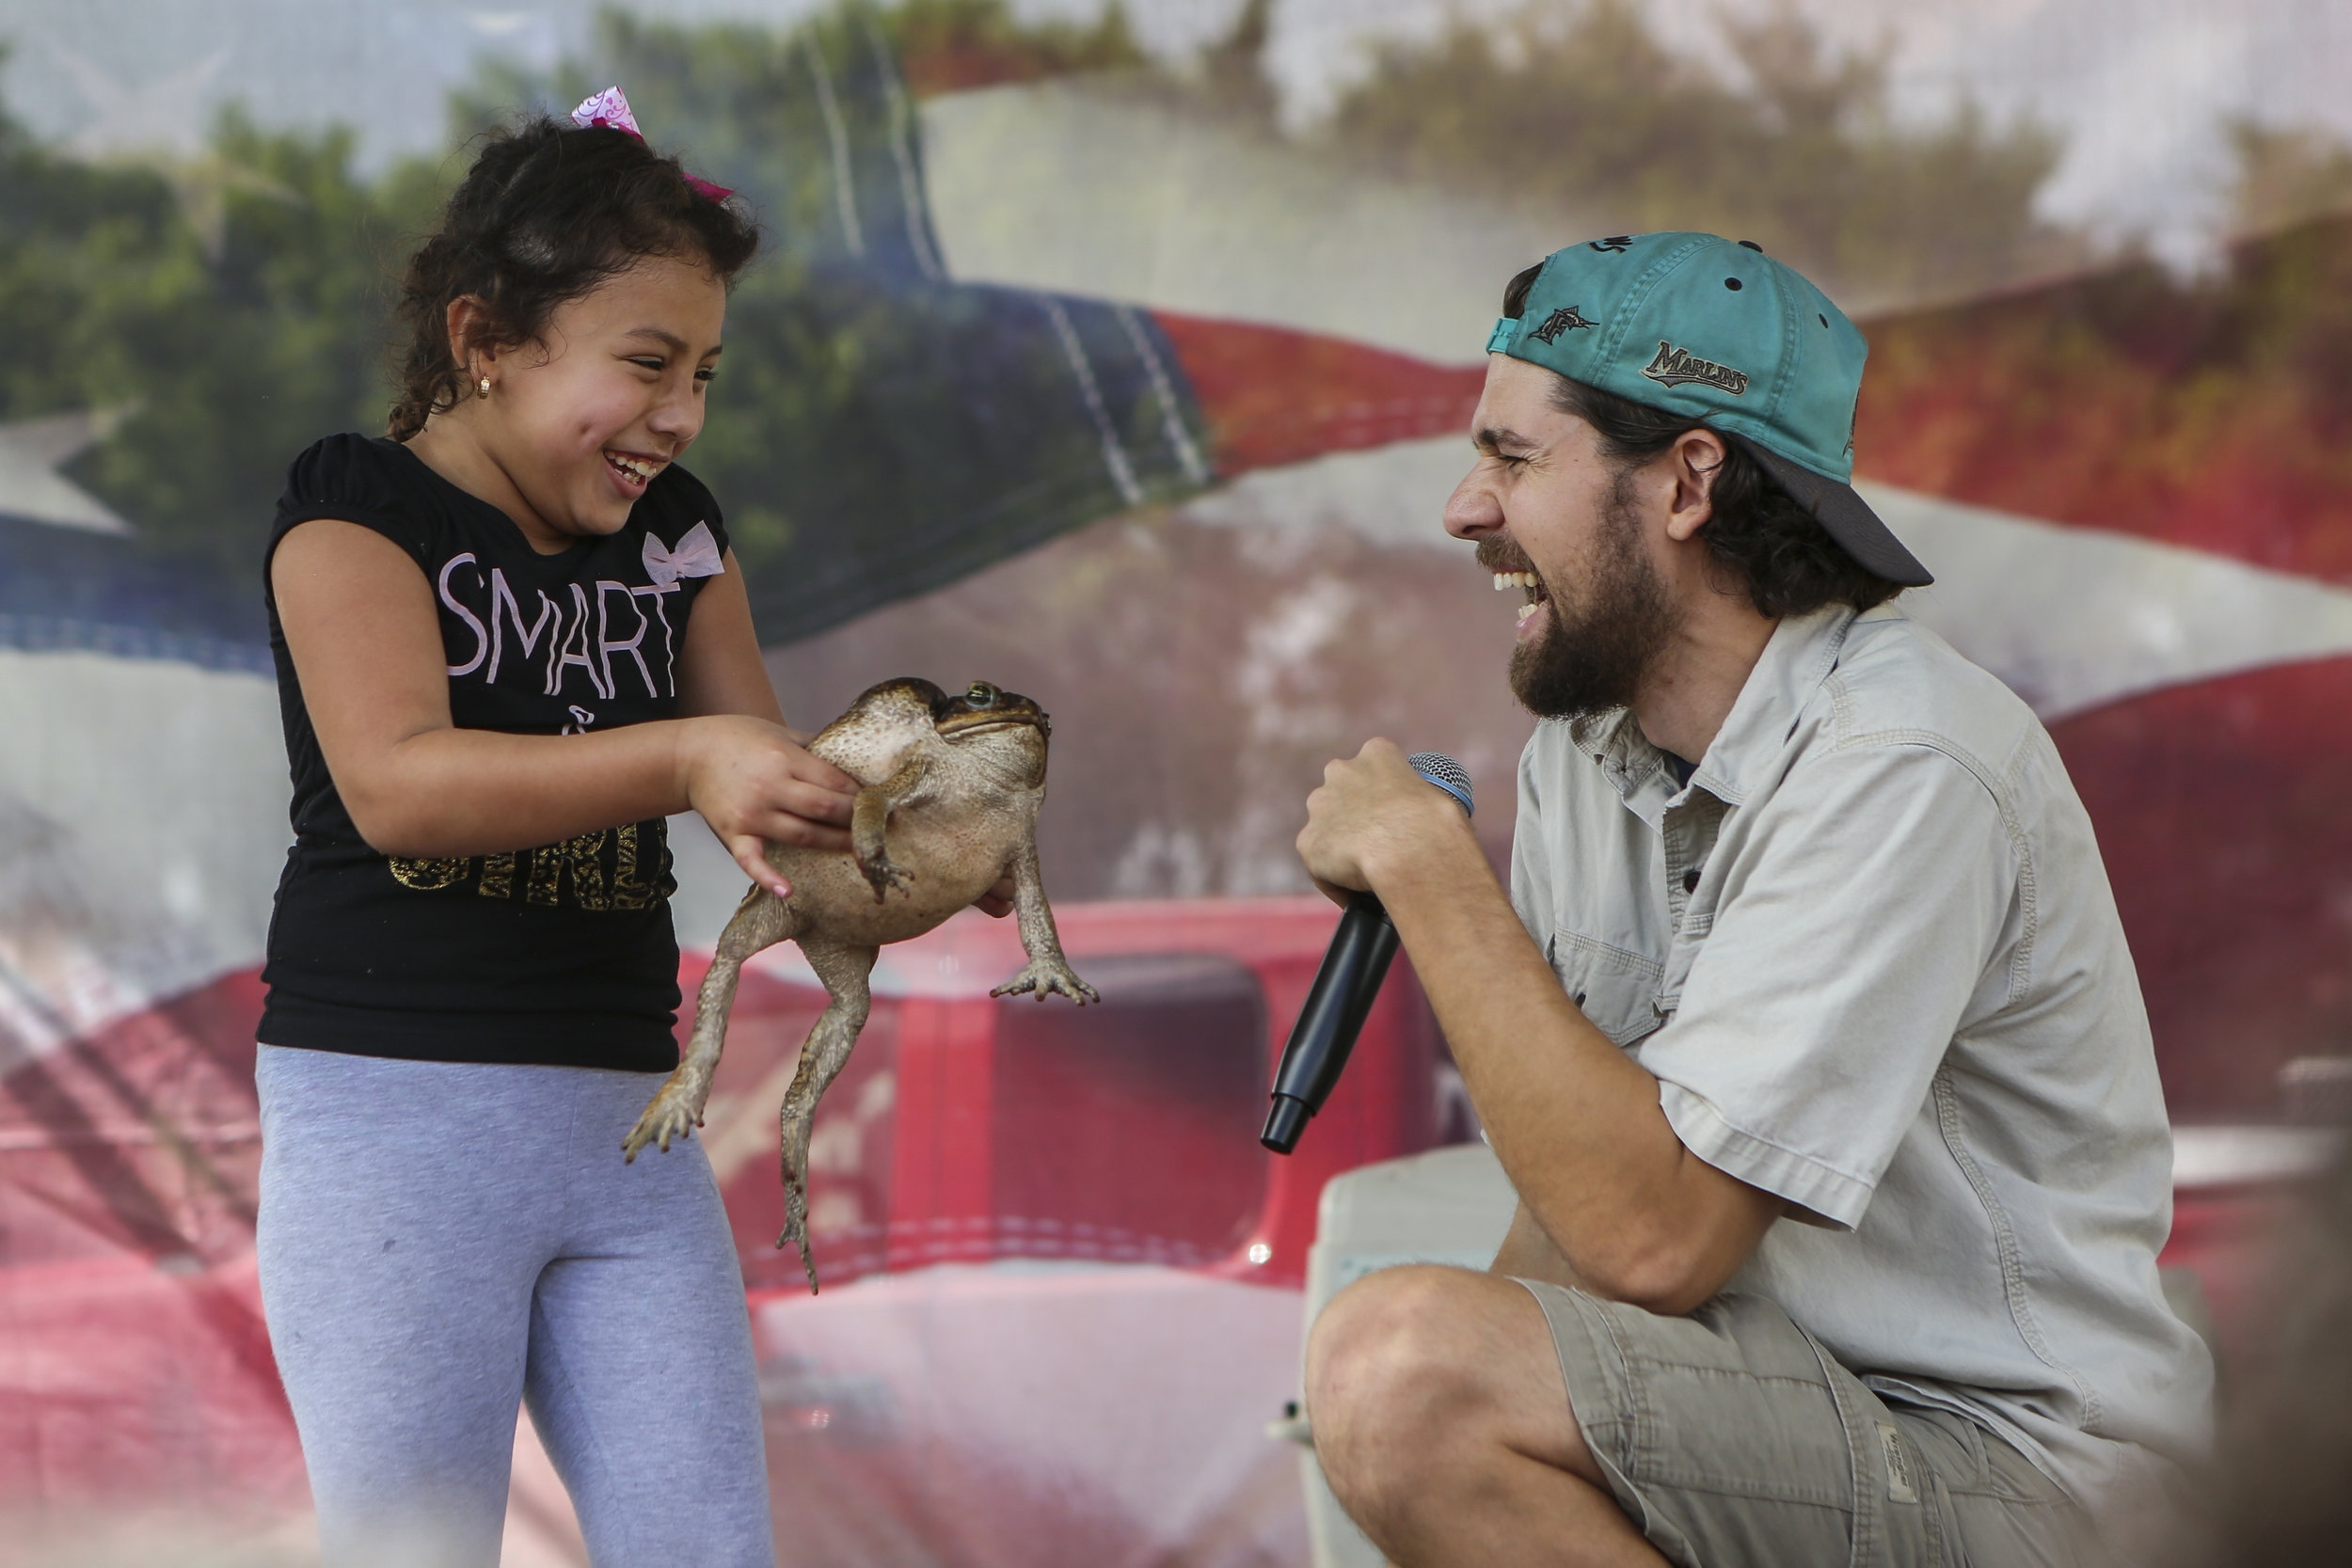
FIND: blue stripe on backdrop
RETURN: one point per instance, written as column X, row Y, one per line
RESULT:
column 62, row 589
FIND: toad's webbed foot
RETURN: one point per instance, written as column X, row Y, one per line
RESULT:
column 882, row 874
column 1044, row 976
column 675, row 1112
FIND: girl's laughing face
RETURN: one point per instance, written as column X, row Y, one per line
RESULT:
column 582, row 420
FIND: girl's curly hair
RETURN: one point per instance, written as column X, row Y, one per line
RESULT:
column 548, row 212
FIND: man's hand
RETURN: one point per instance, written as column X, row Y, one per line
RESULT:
column 1375, row 817
column 1609, row 1190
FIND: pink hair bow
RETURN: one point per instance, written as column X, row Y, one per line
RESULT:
column 609, row 110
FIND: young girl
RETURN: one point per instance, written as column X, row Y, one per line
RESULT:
column 511, row 639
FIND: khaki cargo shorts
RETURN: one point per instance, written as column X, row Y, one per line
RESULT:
column 1734, row 1440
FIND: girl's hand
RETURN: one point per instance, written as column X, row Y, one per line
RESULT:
column 756, row 785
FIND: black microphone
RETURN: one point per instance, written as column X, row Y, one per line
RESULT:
column 1340, row 999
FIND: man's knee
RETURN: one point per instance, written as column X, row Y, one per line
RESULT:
column 1390, row 1373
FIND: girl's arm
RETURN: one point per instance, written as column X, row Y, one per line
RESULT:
column 366, row 643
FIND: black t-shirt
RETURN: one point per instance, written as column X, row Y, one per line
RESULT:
column 562, row 954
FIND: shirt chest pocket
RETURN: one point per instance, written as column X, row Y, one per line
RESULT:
column 1616, row 989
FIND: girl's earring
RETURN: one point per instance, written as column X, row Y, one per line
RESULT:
column 481, row 388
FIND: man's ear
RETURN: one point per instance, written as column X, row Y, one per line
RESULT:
column 1696, row 457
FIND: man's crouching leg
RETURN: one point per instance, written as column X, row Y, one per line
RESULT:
column 1443, row 1423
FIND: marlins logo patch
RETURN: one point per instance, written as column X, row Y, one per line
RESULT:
column 1674, row 366
column 1558, row 321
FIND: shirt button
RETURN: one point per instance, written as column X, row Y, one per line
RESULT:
column 1690, row 881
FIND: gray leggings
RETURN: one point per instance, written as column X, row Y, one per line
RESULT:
column 442, row 1241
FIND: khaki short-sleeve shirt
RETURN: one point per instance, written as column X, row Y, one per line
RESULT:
column 1870, row 955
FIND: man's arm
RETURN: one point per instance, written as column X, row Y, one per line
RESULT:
column 1632, row 1214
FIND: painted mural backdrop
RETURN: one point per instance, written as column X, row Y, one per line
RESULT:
column 1073, row 369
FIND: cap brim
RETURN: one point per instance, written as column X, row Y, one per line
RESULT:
column 1845, row 516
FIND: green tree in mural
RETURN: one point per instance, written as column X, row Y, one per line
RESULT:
column 240, row 333
column 1580, row 109
column 876, row 422
column 231, row 361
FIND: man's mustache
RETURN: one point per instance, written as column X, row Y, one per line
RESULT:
column 1498, row 554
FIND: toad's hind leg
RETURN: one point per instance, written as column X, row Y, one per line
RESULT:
column 845, row 971
column 760, row 921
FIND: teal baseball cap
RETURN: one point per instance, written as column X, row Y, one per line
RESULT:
column 1741, row 344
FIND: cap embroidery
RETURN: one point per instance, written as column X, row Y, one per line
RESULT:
column 1674, row 366
column 1559, row 322
column 1615, row 242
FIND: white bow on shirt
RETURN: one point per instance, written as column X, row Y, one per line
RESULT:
column 696, row 556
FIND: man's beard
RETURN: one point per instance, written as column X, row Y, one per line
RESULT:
column 1592, row 658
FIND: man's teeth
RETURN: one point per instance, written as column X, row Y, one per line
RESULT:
column 1527, row 609
column 1514, row 579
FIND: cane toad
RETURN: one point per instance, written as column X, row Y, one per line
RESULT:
column 951, row 790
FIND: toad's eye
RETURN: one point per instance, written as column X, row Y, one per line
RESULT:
column 982, row 695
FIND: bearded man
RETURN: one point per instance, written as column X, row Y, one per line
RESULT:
column 1807, row 1034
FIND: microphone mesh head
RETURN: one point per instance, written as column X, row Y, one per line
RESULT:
column 1447, row 775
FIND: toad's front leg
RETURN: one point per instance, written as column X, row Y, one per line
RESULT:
column 845, row 971
column 1047, row 972
column 870, row 824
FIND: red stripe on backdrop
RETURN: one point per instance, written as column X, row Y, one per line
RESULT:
column 2214, row 415
column 1272, row 396
column 144, row 1137
column 122, row 1386
column 134, row 1364
column 2220, row 810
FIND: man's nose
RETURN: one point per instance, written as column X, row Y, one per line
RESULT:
column 1474, row 510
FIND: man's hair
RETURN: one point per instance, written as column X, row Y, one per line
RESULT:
column 1779, row 553
column 548, row 213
